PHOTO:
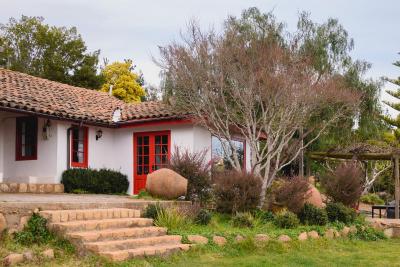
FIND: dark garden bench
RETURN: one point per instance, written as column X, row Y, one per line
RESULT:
column 388, row 208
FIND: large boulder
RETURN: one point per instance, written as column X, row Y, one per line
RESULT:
column 314, row 197
column 166, row 183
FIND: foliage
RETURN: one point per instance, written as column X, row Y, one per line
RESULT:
column 55, row 53
column 236, row 191
column 203, row 217
column 292, row 193
column 344, row 184
column 170, row 218
column 243, row 219
column 151, row 211
column 35, row 232
column 311, row 215
column 286, row 219
column 191, row 165
column 102, row 181
column 368, row 234
column 341, row 213
column 372, row 199
column 125, row 83
column 263, row 216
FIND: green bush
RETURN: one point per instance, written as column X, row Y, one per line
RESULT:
column 34, row 232
column 368, row 234
column 243, row 219
column 372, row 199
column 203, row 217
column 341, row 213
column 287, row 220
column 263, row 216
column 311, row 215
column 151, row 211
column 103, row 181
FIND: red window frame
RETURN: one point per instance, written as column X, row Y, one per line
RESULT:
column 18, row 141
column 85, row 151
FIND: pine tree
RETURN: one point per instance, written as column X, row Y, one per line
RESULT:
column 394, row 122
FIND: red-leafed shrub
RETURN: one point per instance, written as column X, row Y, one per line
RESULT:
column 292, row 193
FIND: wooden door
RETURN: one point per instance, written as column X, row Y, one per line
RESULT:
column 152, row 152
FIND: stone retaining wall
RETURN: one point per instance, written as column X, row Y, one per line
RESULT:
column 31, row 188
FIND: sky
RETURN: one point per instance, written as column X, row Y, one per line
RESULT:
column 134, row 29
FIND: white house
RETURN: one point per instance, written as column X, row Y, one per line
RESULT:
column 47, row 127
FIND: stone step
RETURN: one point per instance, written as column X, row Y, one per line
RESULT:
column 135, row 243
column 157, row 250
column 57, row 216
column 113, row 234
column 103, row 224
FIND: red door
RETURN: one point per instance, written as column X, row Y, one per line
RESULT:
column 152, row 152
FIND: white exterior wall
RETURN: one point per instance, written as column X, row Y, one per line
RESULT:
column 114, row 150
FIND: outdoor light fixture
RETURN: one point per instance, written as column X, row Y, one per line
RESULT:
column 99, row 134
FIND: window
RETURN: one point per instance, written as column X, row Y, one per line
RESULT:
column 79, row 147
column 222, row 157
column 26, row 142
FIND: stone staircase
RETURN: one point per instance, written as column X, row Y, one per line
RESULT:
column 118, row 234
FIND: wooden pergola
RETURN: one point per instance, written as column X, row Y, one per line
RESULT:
column 366, row 153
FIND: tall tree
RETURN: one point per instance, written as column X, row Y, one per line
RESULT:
column 123, row 81
column 253, row 79
column 55, row 53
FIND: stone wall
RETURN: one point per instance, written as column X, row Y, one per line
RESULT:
column 31, row 188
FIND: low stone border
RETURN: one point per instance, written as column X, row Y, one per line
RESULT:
column 31, row 188
column 28, row 256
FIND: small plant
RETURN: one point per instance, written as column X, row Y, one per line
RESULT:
column 311, row 215
column 34, row 232
column 344, row 184
column 152, row 210
column 203, row 217
column 243, row 219
column 263, row 216
column 171, row 219
column 372, row 199
column 292, row 193
column 341, row 213
column 236, row 191
column 286, row 220
column 368, row 234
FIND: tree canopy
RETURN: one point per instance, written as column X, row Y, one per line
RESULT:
column 55, row 53
column 126, row 84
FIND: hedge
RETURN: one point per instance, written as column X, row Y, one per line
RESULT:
column 103, row 181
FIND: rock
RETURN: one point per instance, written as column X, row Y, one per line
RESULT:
column 48, row 253
column 58, row 188
column 219, row 240
column 22, row 222
column 49, row 188
column 28, row 255
column 353, row 229
column 197, row 239
column 314, row 197
column 332, row 233
column 284, row 238
column 389, row 233
column 313, row 234
column 166, row 183
column 239, row 238
column 303, row 236
column 3, row 223
column 41, row 188
column 4, row 188
column 13, row 259
column 261, row 238
column 23, row 188
column 13, row 187
column 32, row 188
column 345, row 231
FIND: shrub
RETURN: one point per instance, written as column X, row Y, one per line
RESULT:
column 311, row 215
column 292, row 193
column 34, row 232
column 103, row 181
column 341, row 213
column 372, row 199
column 344, row 184
column 243, row 219
column 263, row 216
column 203, row 217
column 151, row 211
column 171, row 218
column 287, row 220
column 368, row 234
column 236, row 191
column 192, row 167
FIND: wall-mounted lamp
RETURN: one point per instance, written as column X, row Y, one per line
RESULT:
column 99, row 134
column 46, row 131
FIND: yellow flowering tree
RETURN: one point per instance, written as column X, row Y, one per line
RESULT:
column 125, row 83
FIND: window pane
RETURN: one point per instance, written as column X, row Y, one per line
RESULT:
column 146, row 169
column 146, row 150
column 165, row 139
column 140, row 170
column 140, row 140
column 158, row 149
column 146, row 159
column 158, row 139
column 165, row 149
column 222, row 152
column 146, row 140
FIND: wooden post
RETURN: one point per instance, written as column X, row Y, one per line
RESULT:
column 397, row 185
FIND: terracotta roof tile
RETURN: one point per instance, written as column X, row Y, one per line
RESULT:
column 24, row 92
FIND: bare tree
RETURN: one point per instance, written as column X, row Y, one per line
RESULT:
column 260, row 88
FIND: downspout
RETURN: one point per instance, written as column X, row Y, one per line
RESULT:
column 69, row 148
